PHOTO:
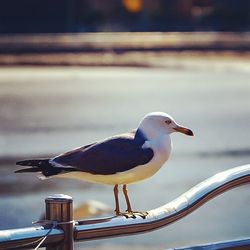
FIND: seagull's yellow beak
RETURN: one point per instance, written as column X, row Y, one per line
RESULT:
column 184, row 130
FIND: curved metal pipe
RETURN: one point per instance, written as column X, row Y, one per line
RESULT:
column 169, row 213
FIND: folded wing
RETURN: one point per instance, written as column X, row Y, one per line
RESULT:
column 113, row 155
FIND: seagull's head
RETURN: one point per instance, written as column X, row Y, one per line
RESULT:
column 158, row 122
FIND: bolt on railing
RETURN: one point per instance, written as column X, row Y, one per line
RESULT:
column 61, row 234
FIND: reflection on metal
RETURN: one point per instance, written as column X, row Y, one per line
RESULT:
column 27, row 238
column 119, row 225
column 243, row 244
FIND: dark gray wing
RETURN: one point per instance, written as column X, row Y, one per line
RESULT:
column 113, row 155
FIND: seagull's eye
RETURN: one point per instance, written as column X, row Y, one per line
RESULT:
column 168, row 122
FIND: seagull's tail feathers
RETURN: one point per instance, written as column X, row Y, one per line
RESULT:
column 42, row 166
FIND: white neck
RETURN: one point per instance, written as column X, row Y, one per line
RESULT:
column 158, row 138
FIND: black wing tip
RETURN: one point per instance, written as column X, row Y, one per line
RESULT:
column 32, row 162
column 27, row 170
column 23, row 163
column 18, row 171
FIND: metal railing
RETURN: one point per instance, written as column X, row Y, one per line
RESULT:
column 62, row 233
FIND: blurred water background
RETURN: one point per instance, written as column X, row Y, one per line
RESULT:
column 65, row 82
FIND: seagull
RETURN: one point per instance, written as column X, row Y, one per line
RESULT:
column 117, row 160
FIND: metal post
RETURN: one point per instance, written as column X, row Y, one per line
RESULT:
column 59, row 208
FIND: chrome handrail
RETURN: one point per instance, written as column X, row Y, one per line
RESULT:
column 119, row 225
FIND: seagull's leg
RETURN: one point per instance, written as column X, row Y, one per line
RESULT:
column 117, row 207
column 130, row 212
column 125, row 192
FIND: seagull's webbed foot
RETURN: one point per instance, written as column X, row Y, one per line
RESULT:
column 142, row 214
column 133, row 214
column 127, row 215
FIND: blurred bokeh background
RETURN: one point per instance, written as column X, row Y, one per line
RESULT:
column 123, row 15
column 76, row 71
